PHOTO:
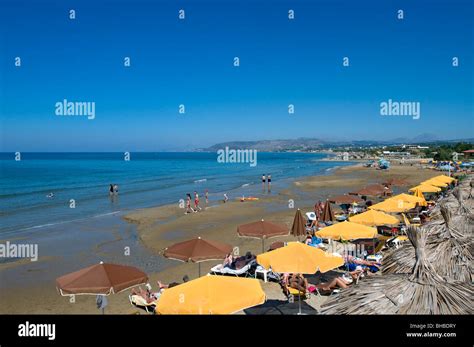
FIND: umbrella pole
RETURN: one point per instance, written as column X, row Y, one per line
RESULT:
column 263, row 245
column 199, row 269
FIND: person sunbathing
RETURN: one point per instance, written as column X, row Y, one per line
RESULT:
column 349, row 259
column 145, row 294
column 295, row 281
column 228, row 260
column 337, row 282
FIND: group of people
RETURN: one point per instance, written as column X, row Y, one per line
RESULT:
column 196, row 208
column 356, row 268
column 267, row 179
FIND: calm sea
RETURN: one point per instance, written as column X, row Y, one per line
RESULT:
column 148, row 179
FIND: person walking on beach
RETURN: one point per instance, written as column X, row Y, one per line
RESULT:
column 207, row 196
column 189, row 209
column 269, row 180
column 226, row 198
column 196, row 202
column 263, row 182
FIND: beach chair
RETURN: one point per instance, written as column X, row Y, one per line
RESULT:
column 321, row 292
column 140, row 302
column 222, row 270
column 407, row 222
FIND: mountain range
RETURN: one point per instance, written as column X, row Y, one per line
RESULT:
column 314, row 143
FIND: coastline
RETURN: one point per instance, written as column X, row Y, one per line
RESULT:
column 159, row 227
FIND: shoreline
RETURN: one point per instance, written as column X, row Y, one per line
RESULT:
column 160, row 226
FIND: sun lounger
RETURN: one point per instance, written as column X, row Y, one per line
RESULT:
column 225, row 270
column 322, row 292
column 140, row 302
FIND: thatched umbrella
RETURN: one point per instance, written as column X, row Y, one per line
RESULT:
column 460, row 193
column 328, row 214
column 298, row 228
column 421, row 292
column 449, row 251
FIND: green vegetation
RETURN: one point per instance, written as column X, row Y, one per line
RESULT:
column 445, row 151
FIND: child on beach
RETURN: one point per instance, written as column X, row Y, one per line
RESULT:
column 196, row 202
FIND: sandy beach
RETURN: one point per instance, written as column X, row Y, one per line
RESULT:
column 162, row 226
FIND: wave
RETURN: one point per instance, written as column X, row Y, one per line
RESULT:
column 201, row 180
column 57, row 223
column 245, row 185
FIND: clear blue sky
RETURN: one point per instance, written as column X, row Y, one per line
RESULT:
column 191, row 62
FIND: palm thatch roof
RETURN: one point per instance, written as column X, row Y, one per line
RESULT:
column 449, row 250
column 421, row 292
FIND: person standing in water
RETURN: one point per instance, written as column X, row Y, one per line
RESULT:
column 115, row 189
column 207, row 196
column 111, row 189
column 269, row 180
column 263, row 182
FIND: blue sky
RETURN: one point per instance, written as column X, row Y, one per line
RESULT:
column 190, row 62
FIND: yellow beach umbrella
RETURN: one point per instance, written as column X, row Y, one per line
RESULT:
column 418, row 193
column 347, row 231
column 444, row 178
column 426, row 188
column 393, row 206
column 408, row 198
column 435, row 182
column 211, row 295
column 299, row 258
column 374, row 218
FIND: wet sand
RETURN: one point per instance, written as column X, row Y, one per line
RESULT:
column 162, row 226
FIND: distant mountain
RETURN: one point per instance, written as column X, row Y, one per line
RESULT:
column 425, row 138
column 305, row 144
column 271, row 145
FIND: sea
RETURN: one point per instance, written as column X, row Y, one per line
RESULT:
column 79, row 182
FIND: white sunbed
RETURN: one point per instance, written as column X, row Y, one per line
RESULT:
column 221, row 270
column 138, row 301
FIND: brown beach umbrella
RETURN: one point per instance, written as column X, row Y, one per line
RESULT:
column 346, row 199
column 373, row 190
column 421, row 292
column 262, row 230
column 197, row 250
column 103, row 278
column 298, row 228
column 396, row 182
column 328, row 214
